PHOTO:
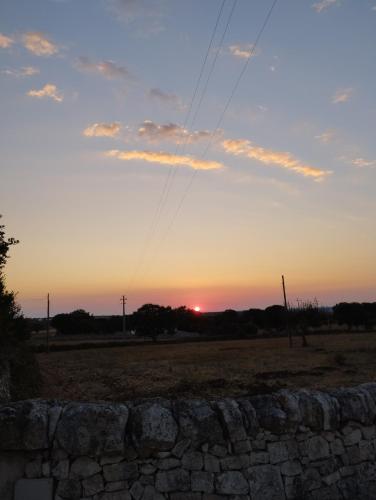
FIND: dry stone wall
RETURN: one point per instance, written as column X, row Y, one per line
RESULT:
column 289, row 445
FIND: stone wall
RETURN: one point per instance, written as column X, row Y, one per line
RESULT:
column 289, row 445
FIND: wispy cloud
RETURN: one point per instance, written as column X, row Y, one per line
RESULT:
column 145, row 16
column 39, row 44
column 102, row 130
column 22, row 72
column 342, row 95
column 325, row 4
column 243, row 51
column 5, row 41
column 245, row 148
column 108, row 69
column 164, row 158
column 172, row 132
column 327, row 136
column 49, row 91
column 166, row 98
column 361, row 162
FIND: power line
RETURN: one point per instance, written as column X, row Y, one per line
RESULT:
column 221, row 117
column 157, row 212
column 205, row 88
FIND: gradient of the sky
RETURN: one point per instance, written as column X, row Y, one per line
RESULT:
column 286, row 186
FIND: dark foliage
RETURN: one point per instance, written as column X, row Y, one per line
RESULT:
column 355, row 314
column 14, row 352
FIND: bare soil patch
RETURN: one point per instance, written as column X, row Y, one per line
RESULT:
column 208, row 369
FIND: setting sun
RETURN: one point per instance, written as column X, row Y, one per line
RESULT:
column 197, row 309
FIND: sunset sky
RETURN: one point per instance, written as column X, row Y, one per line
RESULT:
column 115, row 185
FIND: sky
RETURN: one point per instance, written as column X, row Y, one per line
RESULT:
column 178, row 153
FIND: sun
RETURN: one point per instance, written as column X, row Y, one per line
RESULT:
column 197, row 309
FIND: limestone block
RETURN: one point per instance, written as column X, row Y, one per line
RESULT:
column 318, row 448
column 192, row 460
column 231, row 483
column 232, row 419
column 69, row 489
column 172, row 480
column 84, row 467
column 199, row 422
column 92, row 485
column 153, row 428
column 92, row 429
column 122, row 471
column 265, row 483
column 34, row 489
column 202, row 481
column 24, row 426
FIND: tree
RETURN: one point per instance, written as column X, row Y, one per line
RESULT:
column 152, row 320
column 351, row 314
column 16, row 358
column 9, row 311
column 76, row 322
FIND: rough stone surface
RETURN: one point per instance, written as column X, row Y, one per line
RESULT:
column 84, row 467
column 318, row 448
column 92, row 429
column 93, row 485
column 153, row 428
column 120, row 472
column 175, row 480
column 231, row 483
column 199, row 422
column 292, row 445
column 265, row 483
column 69, row 489
column 24, row 426
column 202, row 481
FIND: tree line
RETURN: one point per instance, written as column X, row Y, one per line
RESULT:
column 153, row 320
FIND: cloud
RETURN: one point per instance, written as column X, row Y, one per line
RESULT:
column 22, row 72
column 166, row 98
column 245, row 148
column 147, row 17
column 324, row 5
column 39, row 44
column 361, row 162
column 102, row 130
column 108, row 69
column 342, row 95
column 164, row 158
column 49, row 90
column 5, row 41
column 170, row 132
column 327, row 136
column 244, row 51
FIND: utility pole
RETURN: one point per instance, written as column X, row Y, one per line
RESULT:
column 287, row 311
column 48, row 324
column 123, row 300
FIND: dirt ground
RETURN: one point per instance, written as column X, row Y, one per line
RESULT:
column 209, row 369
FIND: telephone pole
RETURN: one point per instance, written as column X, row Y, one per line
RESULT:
column 287, row 311
column 48, row 324
column 123, row 300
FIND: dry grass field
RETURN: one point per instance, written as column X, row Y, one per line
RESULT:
column 209, row 369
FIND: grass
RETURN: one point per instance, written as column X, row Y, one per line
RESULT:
column 208, row 369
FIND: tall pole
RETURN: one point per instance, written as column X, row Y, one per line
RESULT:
column 48, row 324
column 123, row 300
column 287, row 311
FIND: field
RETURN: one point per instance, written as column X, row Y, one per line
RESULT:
column 208, row 369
